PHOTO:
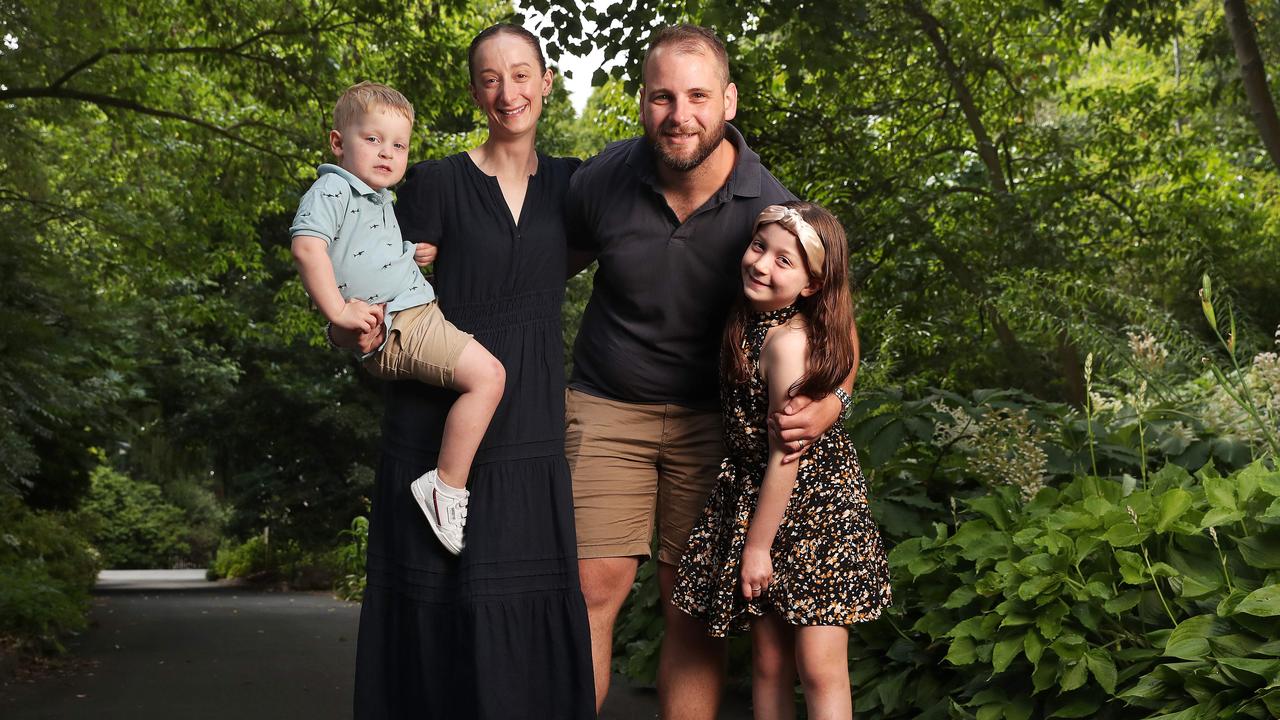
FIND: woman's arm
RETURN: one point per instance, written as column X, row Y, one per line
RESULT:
column 579, row 260
column 782, row 362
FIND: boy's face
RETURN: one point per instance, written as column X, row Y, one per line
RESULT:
column 374, row 147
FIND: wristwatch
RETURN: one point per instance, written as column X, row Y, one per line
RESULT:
column 846, row 402
column 328, row 335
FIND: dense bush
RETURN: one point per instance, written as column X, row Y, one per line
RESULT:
column 1097, row 600
column 131, row 524
column 46, row 571
column 284, row 561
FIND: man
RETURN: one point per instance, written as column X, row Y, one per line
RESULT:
column 668, row 217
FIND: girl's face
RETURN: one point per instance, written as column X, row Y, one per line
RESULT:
column 509, row 84
column 773, row 271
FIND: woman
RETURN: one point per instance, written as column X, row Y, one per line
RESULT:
column 501, row 630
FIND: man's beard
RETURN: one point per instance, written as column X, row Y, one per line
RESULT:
column 706, row 146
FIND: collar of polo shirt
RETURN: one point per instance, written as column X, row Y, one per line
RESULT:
column 360, row 186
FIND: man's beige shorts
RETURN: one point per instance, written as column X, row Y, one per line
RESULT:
column 627, row 458
column 422, row 346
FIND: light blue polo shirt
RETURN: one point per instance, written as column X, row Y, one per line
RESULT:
column 370, row 259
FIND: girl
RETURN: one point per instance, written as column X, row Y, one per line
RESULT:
column 788, row 550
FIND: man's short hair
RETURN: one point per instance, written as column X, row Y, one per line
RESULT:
column 364, row 97
column 687, row 38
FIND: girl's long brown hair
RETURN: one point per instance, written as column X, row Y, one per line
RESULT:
column 828, row 313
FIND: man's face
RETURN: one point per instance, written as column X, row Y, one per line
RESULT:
column 685, row 105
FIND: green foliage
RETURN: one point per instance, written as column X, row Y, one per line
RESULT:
column 1021, row 182
column 285, row 561
column 351, row 556
column 1095, row 600
column 131, row 524
column 46, row 571
column 240, row 560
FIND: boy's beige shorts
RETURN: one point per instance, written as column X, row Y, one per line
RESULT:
column 423, row 346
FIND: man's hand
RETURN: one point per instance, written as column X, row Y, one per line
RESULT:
column 757, row 572
column 424, row 254
column 365, row 342
column 359, row 316
column 802, row 421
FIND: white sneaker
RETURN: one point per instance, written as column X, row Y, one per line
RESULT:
column 447, row 513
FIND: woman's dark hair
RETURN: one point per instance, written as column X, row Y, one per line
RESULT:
column 508, row 29
column 828, row 315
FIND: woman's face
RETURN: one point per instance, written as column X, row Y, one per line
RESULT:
column 509, row 84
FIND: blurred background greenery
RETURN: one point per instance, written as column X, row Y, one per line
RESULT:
column 1034, row 191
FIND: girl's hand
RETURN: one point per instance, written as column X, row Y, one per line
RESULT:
column 424, row 254
column 757, row 572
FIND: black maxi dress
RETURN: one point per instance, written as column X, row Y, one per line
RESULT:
column 501, row 630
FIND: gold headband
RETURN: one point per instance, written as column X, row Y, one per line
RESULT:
column 794, row 223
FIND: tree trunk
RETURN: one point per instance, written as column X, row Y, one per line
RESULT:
column 1014, row 353
column 1072, row 370
column 1254, row 76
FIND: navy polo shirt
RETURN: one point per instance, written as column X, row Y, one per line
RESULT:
column 651, row 330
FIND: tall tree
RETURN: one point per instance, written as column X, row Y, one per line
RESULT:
column 1244, row 39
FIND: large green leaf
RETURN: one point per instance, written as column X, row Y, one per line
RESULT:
column 1004, row 652
column 962, row 651
column 1263, row 602
column 1263, row 671
column 1103, row 669
column 1189, row 640
column 1173, row 505
column 1074, row 676
column 1261, row 551
column 1220, row 492
column 1125, row 534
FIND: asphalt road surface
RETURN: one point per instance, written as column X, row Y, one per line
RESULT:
column 167, row 643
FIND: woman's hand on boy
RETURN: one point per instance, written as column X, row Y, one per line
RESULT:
column 757, row 572
column 802, row 421
column 424, row 254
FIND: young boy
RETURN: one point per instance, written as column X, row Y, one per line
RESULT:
column 348, row 249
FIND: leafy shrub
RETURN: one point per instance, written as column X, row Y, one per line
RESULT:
column 131, row 524
column 240, row 559
column 286, row 562
column 351, row 556
column 1097, row 600
column 46, row 572
column 204, row 519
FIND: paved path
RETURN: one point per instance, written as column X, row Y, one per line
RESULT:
column 166, row 644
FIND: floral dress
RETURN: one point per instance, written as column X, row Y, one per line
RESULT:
column 829, row 565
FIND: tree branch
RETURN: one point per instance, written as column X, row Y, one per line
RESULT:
column 235, row 50
column 986, row 148
column 126, row 104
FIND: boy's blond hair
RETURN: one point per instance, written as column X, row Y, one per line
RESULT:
column 364, row 97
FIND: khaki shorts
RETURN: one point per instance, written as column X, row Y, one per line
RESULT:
column 422, row 346
column 625, row 458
